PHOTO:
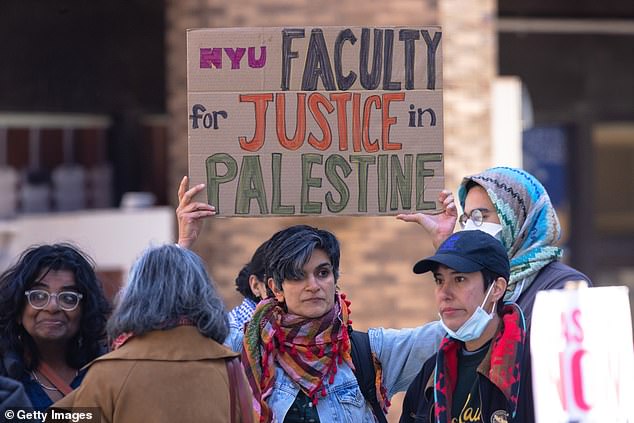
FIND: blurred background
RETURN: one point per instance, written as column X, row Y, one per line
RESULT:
column 93, row 130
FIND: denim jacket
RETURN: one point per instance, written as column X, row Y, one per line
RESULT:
column 401, row 352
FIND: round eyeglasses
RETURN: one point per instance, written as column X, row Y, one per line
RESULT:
column 66, row 300
column 475, row 216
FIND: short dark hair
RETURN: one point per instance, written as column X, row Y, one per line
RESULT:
column 254, row 267
column 88, row 344
column 291, row 248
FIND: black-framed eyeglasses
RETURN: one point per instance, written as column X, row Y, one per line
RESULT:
column 475, row 216
column 66, row 300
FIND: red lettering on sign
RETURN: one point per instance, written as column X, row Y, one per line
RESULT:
column 314, row 101
column 261, row 102
column 317, row 103
column 577, row 380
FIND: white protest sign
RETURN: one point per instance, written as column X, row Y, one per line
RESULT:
column 583, row 356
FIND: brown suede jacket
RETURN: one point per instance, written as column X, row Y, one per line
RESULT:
column 164, row 376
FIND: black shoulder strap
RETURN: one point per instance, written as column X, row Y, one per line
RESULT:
column 364, row 371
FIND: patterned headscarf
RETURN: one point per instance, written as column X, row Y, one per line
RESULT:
column 308, row 350
column 530, row 228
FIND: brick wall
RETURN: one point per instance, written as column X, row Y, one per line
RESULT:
column 470, row 64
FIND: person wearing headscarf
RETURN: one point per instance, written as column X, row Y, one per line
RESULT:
column 513, row 206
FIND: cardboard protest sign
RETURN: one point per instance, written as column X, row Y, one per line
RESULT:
column 316, row 121
column 583, row 356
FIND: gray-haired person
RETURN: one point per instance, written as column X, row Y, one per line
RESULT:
column 168, row 330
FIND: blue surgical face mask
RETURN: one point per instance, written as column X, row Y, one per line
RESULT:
column 493, row 229
column 475, row 325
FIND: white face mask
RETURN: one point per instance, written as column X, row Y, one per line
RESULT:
column 475, row 325
column 493, row 229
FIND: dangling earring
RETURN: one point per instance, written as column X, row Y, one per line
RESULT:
column 80, row 341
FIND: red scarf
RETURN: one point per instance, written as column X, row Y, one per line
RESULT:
column 308, row 350
column 506, row 353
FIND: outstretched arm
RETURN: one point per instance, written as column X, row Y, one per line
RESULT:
column 438, row 226
column 190, row 214
column 402, row 352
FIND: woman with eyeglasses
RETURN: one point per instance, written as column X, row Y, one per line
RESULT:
column 53, row 316
column 513, row 206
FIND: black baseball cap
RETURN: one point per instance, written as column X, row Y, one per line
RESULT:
column 469, row 251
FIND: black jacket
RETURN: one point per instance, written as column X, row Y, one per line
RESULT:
column 419, row 402
column 418, row 406
column 12, row 395
column 552, row 276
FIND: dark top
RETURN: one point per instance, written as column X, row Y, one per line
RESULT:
column 418, row 403
column 36, row 393
column 466, row 398
column 302, row 410
column 12, row 366
column 12, row 395
column 553, row 276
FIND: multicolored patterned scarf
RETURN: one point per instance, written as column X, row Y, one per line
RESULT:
column 530, row 225
column 308, row 350
column 501, row 364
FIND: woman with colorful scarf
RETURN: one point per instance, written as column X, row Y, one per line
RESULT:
column 513, row 206
column 297, row 347
column 482, row 371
